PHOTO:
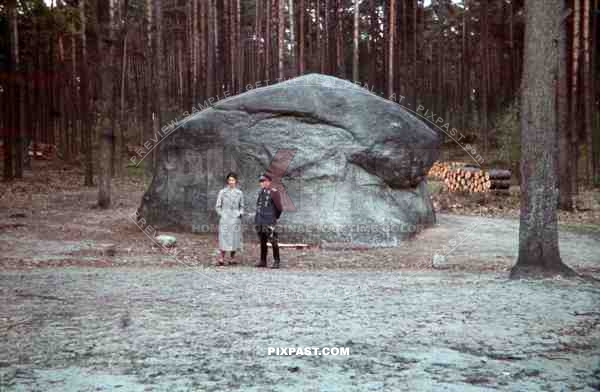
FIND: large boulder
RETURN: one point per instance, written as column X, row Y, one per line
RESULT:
column 356, row 175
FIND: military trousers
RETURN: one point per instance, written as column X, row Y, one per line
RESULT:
column 267, row 233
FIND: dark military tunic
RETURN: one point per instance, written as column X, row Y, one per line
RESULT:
column 268, row 207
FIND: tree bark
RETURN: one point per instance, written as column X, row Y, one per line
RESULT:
column 88, row 130
column 293, row 65
column 280, row 49
column 10, row 131
column 587, row 90
column 391, row 37
column 594, row 82
column 356, row 32
column 562, row 113
column 484, row 74
column 573, row 114
column 539, row 254
column 105, row 102
column 301, row 44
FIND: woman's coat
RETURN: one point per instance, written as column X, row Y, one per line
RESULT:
column 230, row 207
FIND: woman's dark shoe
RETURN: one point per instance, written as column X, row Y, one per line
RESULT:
column 275, row 264
column 261, row 264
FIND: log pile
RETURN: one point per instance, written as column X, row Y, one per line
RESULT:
column 460, row 177
column 42, row 151
column 36, row 151
column 439, row 170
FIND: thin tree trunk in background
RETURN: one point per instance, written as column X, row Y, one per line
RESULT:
column 319, row 37
column 149, row 78
column 87, row 126
column 372, row 48
column 268, row 42
column 390, row 58
column 122, row 122
column 202, row 54
column 219, row 55
column 588, row 98
column 356, row 32
column 239, row 56
column 538, row 230
column 159, row 100
column 461, row 68
column 484, row 74
column 301, row 12
column 326, row 52
column 12, row 120
column 19, row 112
column 194, row 51
column 232, row 41
column 105, row 104
column 565, row 200
column 414, row 67
column 573, row 115
column 292, row 56
column 339, row 44
column 595, row 108
column 280, row 31
column 210, row 53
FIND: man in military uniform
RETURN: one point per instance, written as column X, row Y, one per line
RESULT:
column 268, row 210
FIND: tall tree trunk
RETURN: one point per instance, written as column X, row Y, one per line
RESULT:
column 19, row 130
column 538, row 231
column 326, row 52
column 159, row 96
column 88, row 129
column 414, row 65
column 11, row 130
column 268, row 44
column 356, row 32
column 573, row 114
column 280, row 31
column 202, row 54
column 301, row 12
column 565, row 200
column 211, row 88
column 293, row 66
column 371, row 46
column 594, row 82
column 390, row 57
column 194, row 49
column 463, row 92
column 319, row 38
column 339, row 42
column 106, row 95
column 587, row 89
column 122, row 122
column 484, row 74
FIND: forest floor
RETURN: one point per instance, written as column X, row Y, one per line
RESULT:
column 89, row 303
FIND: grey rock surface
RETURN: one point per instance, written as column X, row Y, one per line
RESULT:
column 351, row 164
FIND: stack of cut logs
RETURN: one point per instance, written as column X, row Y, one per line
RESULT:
column 459, row 177
column 42, row 150
column 35, row 150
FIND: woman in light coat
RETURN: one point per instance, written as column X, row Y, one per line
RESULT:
column 230, row 207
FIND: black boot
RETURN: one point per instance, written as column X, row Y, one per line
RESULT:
column 275, row 264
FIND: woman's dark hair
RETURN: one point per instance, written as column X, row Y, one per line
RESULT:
column 231, row 174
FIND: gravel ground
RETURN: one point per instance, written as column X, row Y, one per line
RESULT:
column 78, row 329
column 75, row 319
